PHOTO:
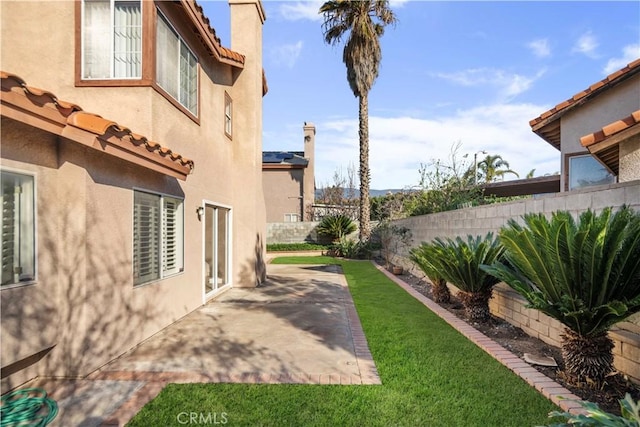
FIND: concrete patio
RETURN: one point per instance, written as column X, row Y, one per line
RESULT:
column 300, row 326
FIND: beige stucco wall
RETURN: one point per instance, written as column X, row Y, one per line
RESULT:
column 608, row 107
column 84, row 303
column 630, row 159
column 283, row 190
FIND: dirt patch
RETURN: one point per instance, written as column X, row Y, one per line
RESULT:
column 518, row 342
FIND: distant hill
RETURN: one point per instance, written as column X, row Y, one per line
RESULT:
column 356, row 191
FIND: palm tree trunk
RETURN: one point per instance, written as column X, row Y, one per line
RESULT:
column 587, row 357
column 440, row 292
column 363, row 112
column 476, row 305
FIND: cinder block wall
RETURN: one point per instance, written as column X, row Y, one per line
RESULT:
column 506, row 303
column 292, row 232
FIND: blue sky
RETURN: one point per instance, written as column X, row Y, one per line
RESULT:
column 468, row 72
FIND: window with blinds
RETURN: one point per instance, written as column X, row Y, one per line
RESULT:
column 111, row 39
column 18, row 228
column 176, row 66
column 157, row 237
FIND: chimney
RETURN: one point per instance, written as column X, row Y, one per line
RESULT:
column 309, row 184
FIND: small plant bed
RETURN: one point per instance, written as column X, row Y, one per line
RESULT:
column 519, row 343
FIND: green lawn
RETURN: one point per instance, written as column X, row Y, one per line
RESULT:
column 431, row 375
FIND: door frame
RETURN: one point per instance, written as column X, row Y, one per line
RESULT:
column 229, row 262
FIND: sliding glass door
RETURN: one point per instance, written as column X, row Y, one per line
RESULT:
column 216, row 248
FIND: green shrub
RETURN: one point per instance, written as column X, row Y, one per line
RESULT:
column 422, row 257
column 281, row 247
column 458, row 262
column 596, row 417
column 351, row 248
column 586, row 275
column 336, row 226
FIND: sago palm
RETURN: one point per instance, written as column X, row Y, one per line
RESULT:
column 423, row 257
column 364, row 23
column 586, row 275
column 458, row 262
column 336, row 227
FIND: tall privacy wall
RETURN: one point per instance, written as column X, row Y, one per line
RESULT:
column 292, row 232
column 506, row 303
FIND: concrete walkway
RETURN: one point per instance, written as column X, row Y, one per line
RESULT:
column 299, row 327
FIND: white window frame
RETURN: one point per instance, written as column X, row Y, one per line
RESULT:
column 288, row 217
column 33, row 278
column 228, row 115
column 229, row 259
column 112, row 56
column 182, row 44
column 163, row 271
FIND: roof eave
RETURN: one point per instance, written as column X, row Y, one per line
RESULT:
column 196, row 16
column 42, row 110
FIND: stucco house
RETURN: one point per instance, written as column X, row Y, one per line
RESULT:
column 289, row 181
column 131, row 180
column 597, row 131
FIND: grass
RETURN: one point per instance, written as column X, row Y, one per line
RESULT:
column 431, row 375
column 306, row 260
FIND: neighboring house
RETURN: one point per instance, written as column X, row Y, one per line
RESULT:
column 289, row 183
column 597, row 131
column 131, row 191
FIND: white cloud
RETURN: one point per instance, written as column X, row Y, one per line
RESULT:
column 298, row 10
column 399, row 144
column 587, row 45
column 540, row 47
column 286, row 55
column 395, row 4
column 508, row 84
column 629, row 54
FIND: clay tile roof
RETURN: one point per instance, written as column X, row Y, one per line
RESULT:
column 605, row 143
column 545, row 119
column 203, row 24
column 71, row 115
column 229, row 54
column 64, row 107
column 611, row 129
column 99, row 126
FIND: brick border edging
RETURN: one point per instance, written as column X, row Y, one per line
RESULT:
column 550, row 389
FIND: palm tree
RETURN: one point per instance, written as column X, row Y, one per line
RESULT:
column 422, row 256
column 491, row 168
column 585, row 275
column 364, row 23
column 459, row 262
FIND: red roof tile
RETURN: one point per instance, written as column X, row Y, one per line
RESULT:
column 605, row 143
column 73, row 115
column 611, row 129
column 612, row 78
column 202, row 23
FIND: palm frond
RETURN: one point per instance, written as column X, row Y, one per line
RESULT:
column 585, row 275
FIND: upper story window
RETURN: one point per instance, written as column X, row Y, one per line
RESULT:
column 111, row 39
column 586, row 171
column 228, row 115
column 18, row 228
column 176, row 66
